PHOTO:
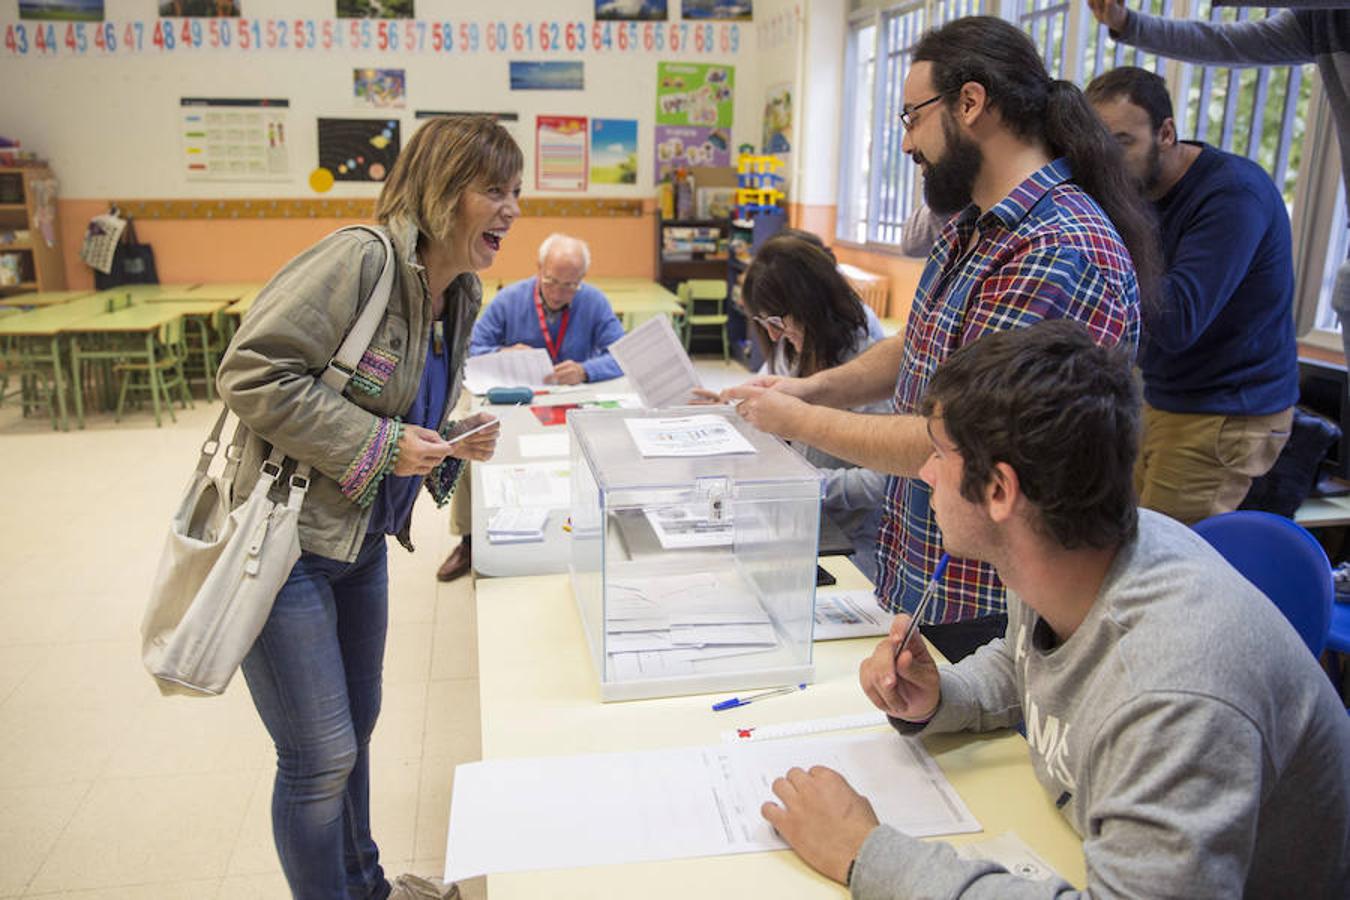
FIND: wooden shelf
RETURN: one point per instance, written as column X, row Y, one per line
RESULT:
column 21, row 286
column 40, row 265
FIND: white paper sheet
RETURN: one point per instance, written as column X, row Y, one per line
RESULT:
column 681, row 527
column 543, row 484
column 514, row 815
column 546, row 446
column 517, row 525
column 705, row 435
column 507, row 368
column 656, row 365
column 849, row 614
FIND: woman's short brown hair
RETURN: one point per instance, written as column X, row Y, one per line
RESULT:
column 446, row 157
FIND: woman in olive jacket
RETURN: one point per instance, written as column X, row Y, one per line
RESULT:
column 315, row 670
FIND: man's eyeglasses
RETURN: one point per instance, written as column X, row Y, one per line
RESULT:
column 907, row 113
column 772, row 324
column 570, row 287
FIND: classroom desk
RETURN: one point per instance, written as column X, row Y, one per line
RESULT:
column 554, row 553
column 41, row 299
column 231, row 291
column 146, row 293
column 114, row 333
column 1324, row 512
column 540, row 697
column 39, row 333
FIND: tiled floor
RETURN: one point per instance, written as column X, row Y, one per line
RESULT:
column 108, row 790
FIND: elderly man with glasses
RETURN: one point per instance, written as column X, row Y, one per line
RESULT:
column 555, row 310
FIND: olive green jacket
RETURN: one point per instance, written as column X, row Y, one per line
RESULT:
column 269, row 377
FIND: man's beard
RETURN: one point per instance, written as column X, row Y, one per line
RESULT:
column 1153, row 167
column 949, row 182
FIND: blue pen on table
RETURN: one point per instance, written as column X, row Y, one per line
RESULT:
column 928, row 593
column 733, row 702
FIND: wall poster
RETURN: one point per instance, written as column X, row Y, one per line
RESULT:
column 228, row 139
column 560, row 153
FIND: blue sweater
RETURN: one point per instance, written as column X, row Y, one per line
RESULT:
column 592, row 326
column 1220, row 340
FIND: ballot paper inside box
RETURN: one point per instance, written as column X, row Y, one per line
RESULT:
column 694, row 541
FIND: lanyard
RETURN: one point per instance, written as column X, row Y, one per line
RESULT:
column 553, row 349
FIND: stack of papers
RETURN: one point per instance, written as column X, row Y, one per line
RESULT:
column 665, row 625
column 705, row 435
column 508, row 368
column 546, row 485
column 517, row 526
column 656, row 364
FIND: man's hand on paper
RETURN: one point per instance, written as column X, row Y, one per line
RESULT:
column 769, row 409
column 567, row 372
column 905, row 687
column 1110, row 13
column 704, row 397
column 515, row 347
column 476, row 447
column 419, row 451
column 822, row 818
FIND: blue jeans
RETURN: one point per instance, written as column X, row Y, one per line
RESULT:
column 315, row 676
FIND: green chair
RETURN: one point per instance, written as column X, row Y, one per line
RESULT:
column 36, row 383
column 161, row 366
column 206, row 339
column 704, row 302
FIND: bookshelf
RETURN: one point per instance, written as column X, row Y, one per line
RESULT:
column 27, row 204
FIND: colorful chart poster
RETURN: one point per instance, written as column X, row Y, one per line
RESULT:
column 231, row 139
column 375, row 9
column 630, row 10
column 211, row 9
column 685, row 145
column 380, row 88
column 547, row 76
column 358, row 149
column 722, row 10
column 66, row 10
column 694, row 94
column 777, row 119
column 560, row 153
column 614, row 151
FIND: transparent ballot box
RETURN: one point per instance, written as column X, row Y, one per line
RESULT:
column 693, row 551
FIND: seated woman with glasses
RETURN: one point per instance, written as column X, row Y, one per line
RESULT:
column 806, row 318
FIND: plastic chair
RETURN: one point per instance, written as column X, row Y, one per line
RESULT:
column 162, row 371
column 1285, row 563
column 706, row 291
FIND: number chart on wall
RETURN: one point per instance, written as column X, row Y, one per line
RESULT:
column 51, row 39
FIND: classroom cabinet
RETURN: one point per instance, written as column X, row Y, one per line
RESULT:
column 30, row 233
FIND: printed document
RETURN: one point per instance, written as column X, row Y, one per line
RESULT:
column 849, row 614
column 512, row 815
column 656, row 364
column 508, row 368
column 680, row 527
column 702, row 435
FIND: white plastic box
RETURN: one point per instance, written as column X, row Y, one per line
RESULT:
column 692, row 574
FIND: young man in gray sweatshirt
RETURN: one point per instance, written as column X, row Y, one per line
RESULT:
column 1172, row 713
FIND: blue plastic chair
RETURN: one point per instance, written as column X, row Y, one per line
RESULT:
column 1284, row 561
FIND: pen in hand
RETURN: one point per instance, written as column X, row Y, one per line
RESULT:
column 733, row 702
column 928, row 592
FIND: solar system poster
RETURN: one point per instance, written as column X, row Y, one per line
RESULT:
column 355, row 150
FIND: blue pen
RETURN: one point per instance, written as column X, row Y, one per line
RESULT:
column 734, row 702
column 928, row 592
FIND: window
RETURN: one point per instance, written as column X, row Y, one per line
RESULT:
column 880, row 186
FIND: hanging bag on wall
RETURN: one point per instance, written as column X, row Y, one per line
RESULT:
column 132, row 262
column 221, row 569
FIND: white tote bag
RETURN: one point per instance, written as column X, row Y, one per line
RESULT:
column 221, row 569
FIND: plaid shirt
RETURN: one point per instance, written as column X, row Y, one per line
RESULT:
column 1046, row 251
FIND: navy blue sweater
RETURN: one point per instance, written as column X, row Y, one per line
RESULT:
column 1220, row 340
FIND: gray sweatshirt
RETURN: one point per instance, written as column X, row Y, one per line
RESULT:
column 1290, row 36
column 1184, row 730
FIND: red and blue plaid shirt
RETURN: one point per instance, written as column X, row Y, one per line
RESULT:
column 1046, row 251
